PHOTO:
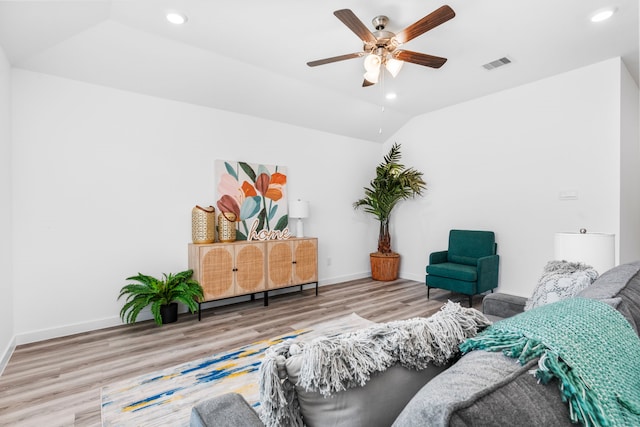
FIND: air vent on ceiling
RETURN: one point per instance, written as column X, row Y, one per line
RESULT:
column 497, row 63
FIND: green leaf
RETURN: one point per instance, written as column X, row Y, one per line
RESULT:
column 273, row 211
column 282, row 223
column 231, row 171
column 261, row 220
column 248, row 170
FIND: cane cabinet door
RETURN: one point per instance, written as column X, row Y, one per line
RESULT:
column 305, row 257
column 250, row 267
column 280, row 264
column 215, row 265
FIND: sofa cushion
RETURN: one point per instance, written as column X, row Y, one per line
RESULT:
column 560, row 280
column 368, row 406
column 513, row 401
column 227, row 410
column 485, row 389
column 619, row 287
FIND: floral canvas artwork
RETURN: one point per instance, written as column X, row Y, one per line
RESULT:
column 257, row 195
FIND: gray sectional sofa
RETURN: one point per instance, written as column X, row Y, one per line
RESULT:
column 481, row 388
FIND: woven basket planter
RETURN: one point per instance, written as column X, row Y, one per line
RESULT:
column 384, row 267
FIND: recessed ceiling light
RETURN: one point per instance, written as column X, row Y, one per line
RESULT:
column 391, row 95
column 603, row 15
column 176, row 18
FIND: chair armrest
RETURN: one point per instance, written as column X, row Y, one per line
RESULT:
column 438, row 257
column 487, row 273
column 503, row 305
column 226, row 410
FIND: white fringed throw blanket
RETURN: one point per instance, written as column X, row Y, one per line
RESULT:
column 333, row 364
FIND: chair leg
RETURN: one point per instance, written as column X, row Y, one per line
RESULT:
column 470, row 301
column 428, row 289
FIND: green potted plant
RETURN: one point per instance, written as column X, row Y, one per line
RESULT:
column 162, row 294
column 393, row 183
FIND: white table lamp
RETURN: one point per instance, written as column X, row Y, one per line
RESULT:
column 299, row 209
column 594, row 249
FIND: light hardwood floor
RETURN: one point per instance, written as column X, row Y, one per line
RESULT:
column 57, row 382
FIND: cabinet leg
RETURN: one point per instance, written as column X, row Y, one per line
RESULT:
column 266, row 298
column 199, row 312
column 316, row 288
column 253, row 297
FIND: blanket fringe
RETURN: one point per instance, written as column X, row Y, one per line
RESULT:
column 337, row 363
column 279, row 405
column 584, row 407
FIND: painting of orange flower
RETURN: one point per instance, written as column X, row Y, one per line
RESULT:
column 257, row 195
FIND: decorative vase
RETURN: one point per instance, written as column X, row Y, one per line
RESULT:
column 227, row 227
column 169, row 312
column 203, row 224
column 384, row 267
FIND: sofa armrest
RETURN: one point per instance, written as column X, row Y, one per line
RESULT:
column 438, row 257
column 226, row 410
column 503, row 305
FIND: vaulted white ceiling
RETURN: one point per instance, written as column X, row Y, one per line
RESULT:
column 249, row 56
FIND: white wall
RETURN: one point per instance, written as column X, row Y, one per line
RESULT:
column 499, row 163
column 105, row 181
column 6, row 282
column 630, row 170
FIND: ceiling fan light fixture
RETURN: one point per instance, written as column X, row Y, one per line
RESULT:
column 393, row 66
column 372, row 63
column 381, row 47
column 372, row 76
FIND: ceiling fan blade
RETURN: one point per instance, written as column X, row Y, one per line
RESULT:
column 432, row 20
column 419, row 58
column 334, row 59
column 349, row 19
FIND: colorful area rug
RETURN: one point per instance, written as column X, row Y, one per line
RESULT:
column 166, row 397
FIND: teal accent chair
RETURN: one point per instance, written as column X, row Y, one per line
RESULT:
column 469, row 266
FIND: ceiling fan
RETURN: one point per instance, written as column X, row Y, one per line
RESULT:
column 382, row 47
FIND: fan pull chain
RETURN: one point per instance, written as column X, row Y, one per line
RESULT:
column 382, row 72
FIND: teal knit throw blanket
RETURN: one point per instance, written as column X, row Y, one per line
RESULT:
column 587, row 345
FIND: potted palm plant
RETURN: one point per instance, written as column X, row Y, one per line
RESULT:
column 162, row 295
column 393, row 183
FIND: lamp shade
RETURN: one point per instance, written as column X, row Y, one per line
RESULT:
column 299, row 209
column 594, row 249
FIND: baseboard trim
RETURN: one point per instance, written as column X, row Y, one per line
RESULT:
column 4, row 361
column 45, row 334
column 346, row 278
column 62, row 331
column 409, row 276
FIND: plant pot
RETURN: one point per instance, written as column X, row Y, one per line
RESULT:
column 169, row 313
column 384, row 267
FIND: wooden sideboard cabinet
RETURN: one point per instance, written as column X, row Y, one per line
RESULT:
column 226, row 270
